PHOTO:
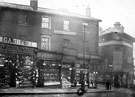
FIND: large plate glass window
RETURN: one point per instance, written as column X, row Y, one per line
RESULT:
column 26, row 72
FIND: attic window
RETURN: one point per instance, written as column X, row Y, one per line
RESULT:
column 22, row 19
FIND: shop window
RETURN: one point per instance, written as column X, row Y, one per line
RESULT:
column 26, row 73
column 49, row 73
column 65, row 25
column 46, row 22
column 45, row 42
column 22, row 19
column 66, row 73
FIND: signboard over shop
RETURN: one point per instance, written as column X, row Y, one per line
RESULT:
column 17, row 42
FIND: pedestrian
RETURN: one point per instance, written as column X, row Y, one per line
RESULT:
column 110, row 84
column 107, row 84
column 92, row 83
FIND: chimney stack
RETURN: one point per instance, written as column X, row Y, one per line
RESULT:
column 88, row 11
column 34, row 4
column 118, row 26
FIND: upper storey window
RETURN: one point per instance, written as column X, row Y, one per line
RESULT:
column 22, row 19
column 45, row 42
column 65, row 25
column 85, row 27
column 46, row 22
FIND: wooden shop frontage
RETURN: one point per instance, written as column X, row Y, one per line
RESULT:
column 49, row 68
column 55, row 69
column 17, row 62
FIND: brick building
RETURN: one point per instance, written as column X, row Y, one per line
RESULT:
column 116, row 50
column 48, row 42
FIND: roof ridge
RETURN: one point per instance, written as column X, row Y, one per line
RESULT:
column 47, row 10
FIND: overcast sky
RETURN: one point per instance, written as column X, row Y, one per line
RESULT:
column 109, row 11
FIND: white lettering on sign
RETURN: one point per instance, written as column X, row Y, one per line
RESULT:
column 17, row 42
column 66, row 66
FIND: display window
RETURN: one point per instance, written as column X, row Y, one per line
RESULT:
column 7, row 71
column 17, row 70
column 66, row 75
column 4, row 72
column 26, row 74
column 49, row 73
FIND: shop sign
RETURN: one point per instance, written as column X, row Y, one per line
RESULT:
column 49, row 56
column 66, row 66
column 64, row 32
column 81, row 55
column 16, row 49
column 69, row 59
column 79, row 69
column 17, row 42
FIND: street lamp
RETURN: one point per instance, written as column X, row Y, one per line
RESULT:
column 84, row 31
column 84, row 28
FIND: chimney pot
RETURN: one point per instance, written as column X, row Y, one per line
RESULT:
column 34, row 4
column 88, row 11
column 118, row 26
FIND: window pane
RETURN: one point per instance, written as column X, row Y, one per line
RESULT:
column 66, row 27
column 45, row 25
column 45, row 20
column 66, row 22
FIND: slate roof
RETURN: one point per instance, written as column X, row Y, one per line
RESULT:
column 113, row 30
column 109, row 30
column 45, row 10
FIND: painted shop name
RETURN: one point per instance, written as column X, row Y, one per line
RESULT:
column 17, row 42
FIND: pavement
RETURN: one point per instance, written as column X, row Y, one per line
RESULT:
column 100, row 91
column 100, row 88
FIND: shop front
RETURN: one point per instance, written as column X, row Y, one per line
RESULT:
column 68, row 72
column 49, row 69
column 123, row 79
column 17, row 63
column 82, row 73
column 68, row 67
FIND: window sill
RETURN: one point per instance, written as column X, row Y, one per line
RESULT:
column 64, row 32
column 22, row 24
column 67, row 30
column 47, row 28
